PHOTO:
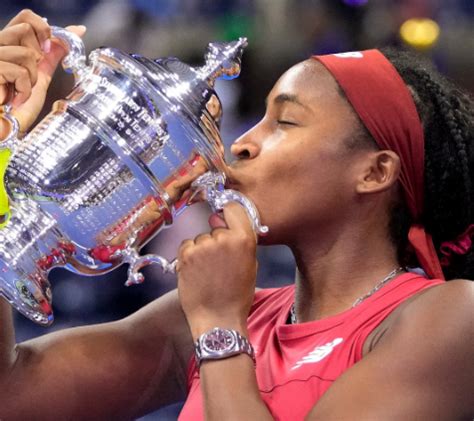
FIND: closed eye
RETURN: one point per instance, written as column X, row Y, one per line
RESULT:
column 286, row 123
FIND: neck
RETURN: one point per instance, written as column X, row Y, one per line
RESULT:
column 332, row 273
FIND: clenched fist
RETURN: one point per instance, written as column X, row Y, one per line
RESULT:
column 217, row 273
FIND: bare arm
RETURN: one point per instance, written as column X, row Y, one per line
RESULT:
column 422, row 368
column 7, row 338
column 117, row 370
column 216, row 283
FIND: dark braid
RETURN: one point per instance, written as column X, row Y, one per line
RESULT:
column 447, row 117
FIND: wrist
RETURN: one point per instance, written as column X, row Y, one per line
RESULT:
column 221, row 343
column 202, row 326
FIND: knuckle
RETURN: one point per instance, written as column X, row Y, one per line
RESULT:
column 25, row 27
column 219, row 234
column 26, row 13
column 183, row 245
column 30, row 54
column 201, row 238
column 184, row 242
column 186, row 256
column 243, row 239
column 23, row 73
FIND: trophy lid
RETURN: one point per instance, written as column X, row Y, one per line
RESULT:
column 187, row 92
column 222, row 61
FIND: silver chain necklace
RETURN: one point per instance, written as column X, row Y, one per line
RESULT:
column 377, row 286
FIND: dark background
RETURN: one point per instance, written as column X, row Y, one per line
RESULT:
column 280, row 33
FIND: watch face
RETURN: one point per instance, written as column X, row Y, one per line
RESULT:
column 218, row 340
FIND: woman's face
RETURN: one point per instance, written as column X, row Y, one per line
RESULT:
column 294, row 164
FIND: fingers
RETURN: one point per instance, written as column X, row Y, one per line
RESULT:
column 59, row 49
column 22, row 57
column 216, row 220
column 48, row 65
column 22, row 44
column 23, row 35
column 37, row 23
column 17, row 75
column 25, row 43
column 237, row 219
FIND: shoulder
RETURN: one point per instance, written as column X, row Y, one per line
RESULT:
column 433, row 336
column 443, row 314
column 429, row 347
column 443, row 311
column 424, row 359
column 450, row 301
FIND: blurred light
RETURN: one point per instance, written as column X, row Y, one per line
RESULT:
column 355, row 3
column 420, row 33
column 233, row 26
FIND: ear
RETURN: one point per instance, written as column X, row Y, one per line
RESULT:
column 380, row 172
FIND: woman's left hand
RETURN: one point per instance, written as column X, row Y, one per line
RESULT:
column 217, row 273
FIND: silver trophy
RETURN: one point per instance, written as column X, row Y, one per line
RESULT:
column 111, row 165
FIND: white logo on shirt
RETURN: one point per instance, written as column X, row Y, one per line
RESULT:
column 318, row 353
column 351, row 54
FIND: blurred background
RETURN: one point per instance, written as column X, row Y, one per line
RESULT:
column 280, row 33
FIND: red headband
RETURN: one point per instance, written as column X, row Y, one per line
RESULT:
column 384, row 104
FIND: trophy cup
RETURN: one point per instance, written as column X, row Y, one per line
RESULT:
column 110, row 166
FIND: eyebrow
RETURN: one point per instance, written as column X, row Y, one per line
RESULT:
column 282, row 98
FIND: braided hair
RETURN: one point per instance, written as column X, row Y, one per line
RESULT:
column 447, row 117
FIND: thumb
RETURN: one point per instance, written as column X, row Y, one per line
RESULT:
column 237, row 218
column 79, row 30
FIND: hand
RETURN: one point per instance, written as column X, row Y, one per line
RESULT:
column 28, row 59
column 217, row 273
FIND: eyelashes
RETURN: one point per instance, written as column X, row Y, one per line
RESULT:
column 286, row 123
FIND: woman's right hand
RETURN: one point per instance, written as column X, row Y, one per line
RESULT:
column 28, row 59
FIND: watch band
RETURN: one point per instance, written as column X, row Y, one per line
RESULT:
column 219, row 343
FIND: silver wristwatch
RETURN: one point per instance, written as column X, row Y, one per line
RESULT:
column 219, row 343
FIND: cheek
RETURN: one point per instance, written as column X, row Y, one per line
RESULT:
column 294, row 192
column 278, row 190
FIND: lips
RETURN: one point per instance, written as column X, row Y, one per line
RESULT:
column 231, row 181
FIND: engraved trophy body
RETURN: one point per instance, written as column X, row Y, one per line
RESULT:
column 110, row 166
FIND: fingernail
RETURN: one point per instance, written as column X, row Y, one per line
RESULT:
column 82, row 28
column 45, row 19
column 46, row 46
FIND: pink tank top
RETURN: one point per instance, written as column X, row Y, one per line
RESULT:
column 296, row 364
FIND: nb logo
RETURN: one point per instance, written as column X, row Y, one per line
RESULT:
column 318, row 353
column 352, row 54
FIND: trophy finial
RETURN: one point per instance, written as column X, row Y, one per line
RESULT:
column 223, row 60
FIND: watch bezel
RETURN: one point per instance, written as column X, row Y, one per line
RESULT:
column 238, row 345
column 218, row 331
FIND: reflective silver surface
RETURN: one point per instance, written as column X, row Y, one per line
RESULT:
column 110, row 166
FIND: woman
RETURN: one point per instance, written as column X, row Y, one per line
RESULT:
column 358, row 337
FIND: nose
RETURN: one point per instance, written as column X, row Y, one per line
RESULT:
column 246, row 146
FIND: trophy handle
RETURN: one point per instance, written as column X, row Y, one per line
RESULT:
column 11, row 140
column 212, row 185
column 75, row 61
column 136, row 262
